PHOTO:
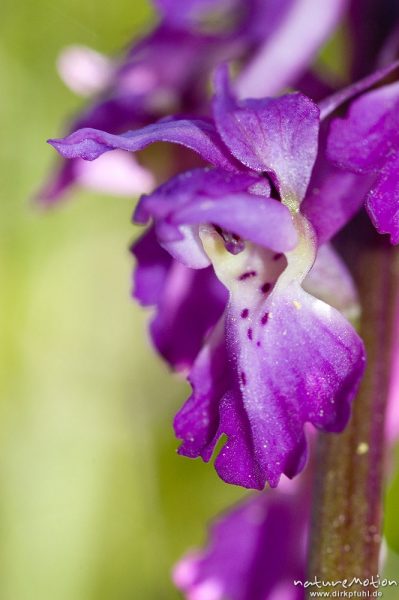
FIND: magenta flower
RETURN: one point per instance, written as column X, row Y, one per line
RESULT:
column 278, row 357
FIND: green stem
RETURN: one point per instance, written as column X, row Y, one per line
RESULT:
column 347, row 514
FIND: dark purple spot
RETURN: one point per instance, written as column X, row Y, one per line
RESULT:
column 265, row 319
column 232, row 242
column 258, row 344
column 243, row 378
column 244, row 313
column 266, row 287
column 278, row 256
column 249, row 333
column 247, row 275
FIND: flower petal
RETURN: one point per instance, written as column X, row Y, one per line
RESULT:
column 254, row 551
column 333, row 197
column 274, row 135
column 179, row 295
column 367, row 141
column 183, row 188
column 330, row 280
column 152, row 268
column 362, row 141
column 289, row 358
column 382, row 202
column 303, row 364
column 198, row 135
column 263, row 221
column 213, row 196
column 331, row 103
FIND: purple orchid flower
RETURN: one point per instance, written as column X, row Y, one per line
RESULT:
column 256, row 551
column 168, row 69
column 332, row 198
column 278, row 357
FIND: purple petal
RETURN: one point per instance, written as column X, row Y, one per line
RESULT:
column 197, row 421
column 212, row 196
column 115, row 114
column 367, row 141
column 307, row 368
column 331, row 103
column 263, row 221
column 192, row 302
column 291, row 359
column 382, row 202
column 274, row 135
column 330, row 280
column 180, row 296
column 187, row 248
column 287, row 52
column 333, row 197
column 153, row 265
column 255, row 551
column 198, row 135
column 180, row 190
column 362, row 141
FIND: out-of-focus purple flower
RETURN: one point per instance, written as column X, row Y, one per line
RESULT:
column 84, row 70
column 289, row 49
column 278, row 357
column 167, row 70
column 255, row 551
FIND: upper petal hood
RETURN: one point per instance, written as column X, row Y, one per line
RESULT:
column 274, row 135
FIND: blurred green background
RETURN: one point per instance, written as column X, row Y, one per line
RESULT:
column 94, row 501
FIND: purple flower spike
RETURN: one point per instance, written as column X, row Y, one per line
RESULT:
column 255, row 552
column 367, row 142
